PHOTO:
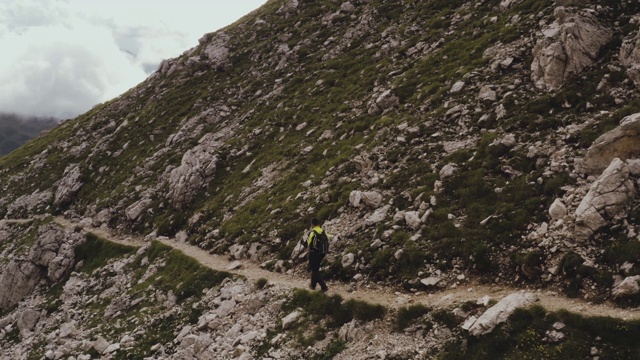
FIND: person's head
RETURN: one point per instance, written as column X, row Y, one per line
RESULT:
column 315, row 222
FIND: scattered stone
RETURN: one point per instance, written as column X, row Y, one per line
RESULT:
column 430, row 281
column 557, row 210
column 457, row 87
column 291, row 319
column 500, row 312
column 347, row 260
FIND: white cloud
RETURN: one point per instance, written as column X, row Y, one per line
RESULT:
column 61, row 57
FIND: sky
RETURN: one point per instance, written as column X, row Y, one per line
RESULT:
column 61, row 57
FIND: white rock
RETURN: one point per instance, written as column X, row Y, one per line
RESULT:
column 430, row 281
column 100, row 344
column 448, row 171
column 412, row 218
column 487, row 94
column 457, row 87
column 370, row 198
column 378, row 216
column 557, row 210
column 291, row 319
column 628, row 287
column 347, row 260
column 569, row 45
column 508, row 140
column 500, row 312
column 607, row 196
column 112, row 348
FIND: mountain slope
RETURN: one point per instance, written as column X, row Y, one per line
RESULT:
column 432, row 137
column 16, row 130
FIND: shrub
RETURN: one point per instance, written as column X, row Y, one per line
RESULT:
column 320, row 306
column 408, row 315
column 182, row 274
column 522, row 337
column 446, row 318
column 96, row 252
column 261, row 283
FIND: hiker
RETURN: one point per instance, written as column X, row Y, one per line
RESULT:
column 318, row 244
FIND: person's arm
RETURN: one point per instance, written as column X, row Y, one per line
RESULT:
column 310, row 239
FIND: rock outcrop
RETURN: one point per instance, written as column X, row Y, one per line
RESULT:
column 622, row 142
column 607, row 197
column 195, row 171
column 630, row 57
column 217, row 51
column 369, row 198
column 69, row 186
column 628, row 287
column 499, row 313
column 569, row 45
column 17, row 280
column 51, row 257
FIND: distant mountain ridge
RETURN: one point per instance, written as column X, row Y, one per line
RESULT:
column 15, row 130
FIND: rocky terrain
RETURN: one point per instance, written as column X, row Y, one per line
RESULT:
column 445, row 144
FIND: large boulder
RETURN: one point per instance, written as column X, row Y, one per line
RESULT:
column 136, row 209
column 628, row 287
column 27, row 320
column 18, row 280
column 195, row 171
column 622, row 142
column 569, row 45
column 217, row 51
column 69, row 185
column 378, row 216
column 557, row 210
column 26, row 204
column 54, row 251
column 369, row 198
column 607, row 197
column 499, row 313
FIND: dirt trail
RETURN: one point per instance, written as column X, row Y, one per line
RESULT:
column 379, row 295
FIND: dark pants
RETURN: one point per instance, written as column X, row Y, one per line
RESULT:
column 316, row 277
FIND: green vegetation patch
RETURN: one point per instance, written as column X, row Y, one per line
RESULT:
column 181, row 274
column 337, row 312
column 96, row 252
column 408, row 315
column 526, row 336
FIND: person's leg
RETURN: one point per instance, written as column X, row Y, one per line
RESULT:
column 319, row 278
column 314, row 264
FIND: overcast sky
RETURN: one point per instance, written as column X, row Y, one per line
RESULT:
column 61, row 57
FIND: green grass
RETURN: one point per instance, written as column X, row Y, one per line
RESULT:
column 261, row 283
column 96, row 252
column 332, row 308
column 522, row 337
column 410, row 314
column 183, row 275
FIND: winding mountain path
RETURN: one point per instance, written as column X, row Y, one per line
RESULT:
column 377, row 295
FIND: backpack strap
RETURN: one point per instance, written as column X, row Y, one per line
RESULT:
column 314, row 240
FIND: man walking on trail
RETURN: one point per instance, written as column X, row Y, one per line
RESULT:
column 318, row 244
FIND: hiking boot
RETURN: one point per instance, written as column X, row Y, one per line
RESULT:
column 324, row 289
